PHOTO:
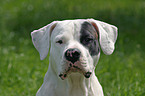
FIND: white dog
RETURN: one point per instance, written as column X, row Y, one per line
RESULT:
column 74, row 47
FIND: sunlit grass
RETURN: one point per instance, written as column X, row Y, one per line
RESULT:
column 22, row 72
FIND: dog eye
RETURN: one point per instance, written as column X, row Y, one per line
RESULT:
column 88, row 40
column 59, row 41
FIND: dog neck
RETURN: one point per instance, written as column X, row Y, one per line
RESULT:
column 74, row 85
column 78, row 85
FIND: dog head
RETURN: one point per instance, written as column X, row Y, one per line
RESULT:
column 75, row 44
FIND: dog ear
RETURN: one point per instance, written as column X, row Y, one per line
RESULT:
column 107, row 35
column 41, row 39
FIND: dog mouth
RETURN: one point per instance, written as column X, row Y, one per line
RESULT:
column 75, row 68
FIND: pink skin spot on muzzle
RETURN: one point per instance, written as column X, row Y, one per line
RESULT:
column 69, row 53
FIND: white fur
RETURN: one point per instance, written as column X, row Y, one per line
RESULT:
column 69, row 31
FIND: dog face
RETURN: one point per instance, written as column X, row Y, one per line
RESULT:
column 74, row 45
column 74, row 48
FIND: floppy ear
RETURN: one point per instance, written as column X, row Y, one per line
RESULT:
column 40, row 39
column 107, row 35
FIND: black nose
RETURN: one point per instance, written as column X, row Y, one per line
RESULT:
column 72, row 55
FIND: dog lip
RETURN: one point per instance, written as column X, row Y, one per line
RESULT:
column 63, row 76
column 70, row 65
column 60, row 75
column 73, row 68
column 88, row 74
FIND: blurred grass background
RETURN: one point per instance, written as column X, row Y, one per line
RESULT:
column 22, row 72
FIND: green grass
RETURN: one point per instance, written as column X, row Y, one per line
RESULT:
column 21, row 70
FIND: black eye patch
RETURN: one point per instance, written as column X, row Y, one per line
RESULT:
column 89, row 39
column 86, row 40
